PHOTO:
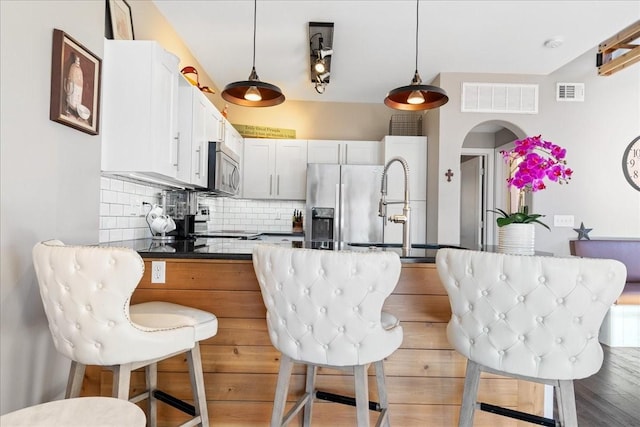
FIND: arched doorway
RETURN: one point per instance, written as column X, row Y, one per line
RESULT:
column 482, row 175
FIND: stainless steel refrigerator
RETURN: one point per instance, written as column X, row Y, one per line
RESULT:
column 342, row 203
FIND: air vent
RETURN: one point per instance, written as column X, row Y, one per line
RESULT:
column 570, row 92
column 499, row 98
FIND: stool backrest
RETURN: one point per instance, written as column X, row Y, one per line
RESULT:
column 324, row 307
column 85, row 291
column 529, row 315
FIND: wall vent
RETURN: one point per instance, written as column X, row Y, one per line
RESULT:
column 499, row 98
column 570, row 92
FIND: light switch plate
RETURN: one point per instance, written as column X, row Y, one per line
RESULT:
column 158, row 271
column 563, row 220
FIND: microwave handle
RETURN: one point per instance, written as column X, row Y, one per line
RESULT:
column 235, row 179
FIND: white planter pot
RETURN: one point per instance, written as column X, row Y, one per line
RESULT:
column 517, row 239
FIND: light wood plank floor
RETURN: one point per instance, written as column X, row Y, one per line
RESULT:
column 611, row 398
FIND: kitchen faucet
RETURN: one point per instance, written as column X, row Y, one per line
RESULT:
column 404, row 219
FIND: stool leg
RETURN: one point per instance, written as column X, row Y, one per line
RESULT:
column 121, row 380
column 74, row 383
column 197, row 384
column 469, row 395
column 382, row 392
column 310, row 389
column 567, row 402
column 362, row 395
column 151, row 372
column 284, row 375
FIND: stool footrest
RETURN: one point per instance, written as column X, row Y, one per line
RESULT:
column 345, row 400
column 530, row 418
column 175, row 402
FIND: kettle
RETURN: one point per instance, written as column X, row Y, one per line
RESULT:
column 159, row 223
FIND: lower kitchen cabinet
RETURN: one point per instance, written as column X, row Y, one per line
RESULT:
column 274, row 169
column 425, row 376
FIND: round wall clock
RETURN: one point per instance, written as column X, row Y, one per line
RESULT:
column 631, row 163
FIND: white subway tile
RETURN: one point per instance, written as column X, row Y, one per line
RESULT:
column 122, row 222
column 108, row 196
column 128, row 234
column 109, row 222
column 103, row 236
column 124, row 198
column 117, row 184
column 105, row 183
column 104, row 209
column 115, row 235
column 129, row 187
column 115, row 210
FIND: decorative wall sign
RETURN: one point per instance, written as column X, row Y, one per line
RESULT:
column 75, row 84
column 250, row 131
column 118, row 20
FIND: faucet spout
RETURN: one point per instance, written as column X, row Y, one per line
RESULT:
column 405, row 218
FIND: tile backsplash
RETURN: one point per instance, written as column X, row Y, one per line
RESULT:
column 123, row 206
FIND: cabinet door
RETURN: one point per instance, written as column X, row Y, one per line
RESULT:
column 258, row 169
column 291, row 169
column 232, row 138
column 140, row 109
column 362, row 153
column 319, row 151
column 414, row 150
column 195, row 112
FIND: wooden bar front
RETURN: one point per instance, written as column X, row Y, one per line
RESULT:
column 424, row 376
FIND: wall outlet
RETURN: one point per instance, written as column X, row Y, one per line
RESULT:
column 158, row 271
column 563, row 220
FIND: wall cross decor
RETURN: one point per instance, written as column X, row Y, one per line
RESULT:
column 449, row 174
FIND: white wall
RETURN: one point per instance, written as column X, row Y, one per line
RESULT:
column 594, row 132
column 50, row 187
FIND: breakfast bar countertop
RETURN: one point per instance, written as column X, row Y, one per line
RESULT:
column 241, row 249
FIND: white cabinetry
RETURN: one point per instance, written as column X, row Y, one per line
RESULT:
column 344, row 152
column 232, row 138
column 275, row 169
column 414, row 150
column 199, row 122
column 140, row 110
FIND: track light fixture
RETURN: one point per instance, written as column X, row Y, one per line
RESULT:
column 416, row 96
column 253, row 92
column 321, row 51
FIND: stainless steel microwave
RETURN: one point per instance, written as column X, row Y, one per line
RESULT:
column 224, row 170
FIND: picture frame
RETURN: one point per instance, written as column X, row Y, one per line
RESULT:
column 119, row 21
column 75, row 84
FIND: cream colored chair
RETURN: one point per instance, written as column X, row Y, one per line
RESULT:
column 324, row 309
column 528, row 317
column 86, row 291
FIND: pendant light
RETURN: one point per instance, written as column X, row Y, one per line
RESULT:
column 253, row 92
column 416, row 96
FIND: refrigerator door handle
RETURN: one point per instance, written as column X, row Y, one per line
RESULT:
column 341, row 211
column 337, row 228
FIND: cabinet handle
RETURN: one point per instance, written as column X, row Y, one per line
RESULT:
column 177, row 163
column 339, row 154
column 278, row 186
column 199, row 151
column 223, row 130
column 270, row 184
column 346, row 154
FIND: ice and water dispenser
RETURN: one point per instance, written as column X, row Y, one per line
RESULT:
column 322, row 224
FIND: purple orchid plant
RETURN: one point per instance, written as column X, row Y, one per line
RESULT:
column 532, row 161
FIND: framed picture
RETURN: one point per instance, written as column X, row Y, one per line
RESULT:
column 119, row 23
column 75, row 84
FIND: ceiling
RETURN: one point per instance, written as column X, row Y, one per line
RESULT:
column 374, row 41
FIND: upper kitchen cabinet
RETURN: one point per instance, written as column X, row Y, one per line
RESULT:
column 345, row 152
column 140, row 110
column 275, row 169
column 232, row 138
column 414, row 150
column 199, row 122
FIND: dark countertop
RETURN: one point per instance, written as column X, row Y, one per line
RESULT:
column 241, row 249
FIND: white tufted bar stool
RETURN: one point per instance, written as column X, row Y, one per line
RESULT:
column 86, row 292
column 529, row 317
column 324, row 308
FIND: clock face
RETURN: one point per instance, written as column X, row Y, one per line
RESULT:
column 631, row 163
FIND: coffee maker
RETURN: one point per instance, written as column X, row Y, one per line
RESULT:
column 181, row 205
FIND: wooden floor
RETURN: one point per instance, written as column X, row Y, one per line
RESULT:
column 611, row 397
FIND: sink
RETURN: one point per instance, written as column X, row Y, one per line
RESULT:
column 399, row 245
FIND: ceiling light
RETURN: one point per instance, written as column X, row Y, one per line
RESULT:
column 416, row 96
column 554, row 42
column 253, row 92
column 320, row 51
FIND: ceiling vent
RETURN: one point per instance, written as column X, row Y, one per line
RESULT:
column 570, row 92
column 499, row 98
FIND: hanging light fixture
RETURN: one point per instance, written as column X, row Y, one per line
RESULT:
column 253, row 92
column 416, row 96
